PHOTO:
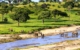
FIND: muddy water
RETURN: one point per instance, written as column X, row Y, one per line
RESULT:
column 39, row 41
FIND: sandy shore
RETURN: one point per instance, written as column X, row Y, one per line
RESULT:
column 46, row 32
column 66, row 45
column 59, row 30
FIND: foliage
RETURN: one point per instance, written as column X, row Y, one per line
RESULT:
column 14, row 1
column 78, row 5
column 70, row 3
column 3, row 4
column 20, row 15
column 34, row 23
column 41, row 0
column 5, row 20
column 44, row 14
column 10, row 7
column 26, row 2
column 58, row 12
column 43, row 6
column 3, row 11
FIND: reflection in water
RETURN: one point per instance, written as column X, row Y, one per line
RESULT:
column 73, row 34
column 41, row 40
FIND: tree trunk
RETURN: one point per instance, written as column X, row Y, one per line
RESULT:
column 43, row 21
column 2, row 17
column 18, row 23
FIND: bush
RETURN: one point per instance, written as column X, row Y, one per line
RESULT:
column 79, row 5
column 5, row 20
column 24, row 3
column 58, row 12
column 53, row 5
column 70, row 3
column 59, row 7
column 16, row 37
column 43, row 6
column 69, row 25
column 22, row 31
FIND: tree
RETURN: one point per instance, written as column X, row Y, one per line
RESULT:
column 41, row 1
column 43, row 6
column 55, row 12
column 58, row 12
column 26, row 1
column 3, row 11
column 69, row 4
column 20, row 15
column 43, row 15
column 10, row 7
column 4, row 4
column 17, row 1
column 14, row 1
column 9, row 1
column 46, row 0
column 50, row 0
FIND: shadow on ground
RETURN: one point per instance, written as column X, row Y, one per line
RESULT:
column 5, row 23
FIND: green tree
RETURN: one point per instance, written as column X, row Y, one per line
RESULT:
column 20, row 15
column 46, row 0
column 26, row 1
column 44, row 6
column 3, row 11
column 69, row 4
column 14, row 1
column 58, row 12
column 4, row 5
column 17, row 1
column 9, row 1
column 44, row 15
column 10, row 7
column 50, row 0
column 41, row 1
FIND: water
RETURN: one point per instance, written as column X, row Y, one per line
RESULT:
column 38, row 41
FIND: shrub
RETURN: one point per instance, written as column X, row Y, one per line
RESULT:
column 59, row 7
column 53, row 5
column 22, row 31
column 58, row 12
column 67, row 4
column 16, row 37
column 5, row 20
column 43, row 6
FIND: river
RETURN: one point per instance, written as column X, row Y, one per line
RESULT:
column 38, row 41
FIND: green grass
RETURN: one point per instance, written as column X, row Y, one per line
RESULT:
column 34, row 23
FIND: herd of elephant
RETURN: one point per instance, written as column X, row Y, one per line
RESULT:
column 74, row 34
column 62, row 34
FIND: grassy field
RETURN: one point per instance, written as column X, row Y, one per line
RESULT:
column 34, row 23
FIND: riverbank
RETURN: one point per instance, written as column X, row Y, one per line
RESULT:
column 59, row 30
column 46, row 32
column 65, row 45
